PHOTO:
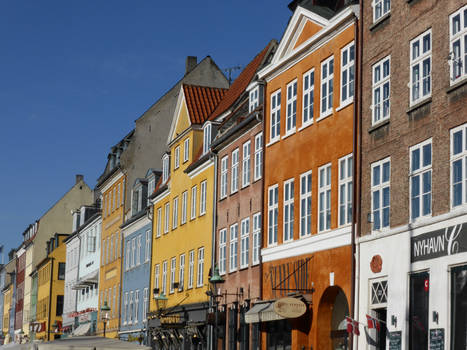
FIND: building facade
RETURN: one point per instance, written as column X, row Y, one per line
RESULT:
column 413, row 259
column 71, row 275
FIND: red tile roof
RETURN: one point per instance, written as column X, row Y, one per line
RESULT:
column 241, row 83
column 201, row 101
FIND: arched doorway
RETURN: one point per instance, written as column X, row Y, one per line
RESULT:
column 332, row 309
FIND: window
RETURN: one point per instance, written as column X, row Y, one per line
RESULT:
column 138, row 251
column 258, row 156
column 156, row 276
column 130, row 309
column 167, row 216
column 256, row 238
column 165, row 168
column 202, row 199
column 184, row 204
column 175, row 214
column 200, row 267
column 177, row 157
column 61, row 271
column 222, row 250
column 173, row 266
column 159, row 222
column 164, row 278
column 191, row 266
column 420, row 180
column 381, row 90
column 418, row 311
column 193, row 202
column 347, row 73
column 125, row 307
column 136, row 196
column 305, row 204
column 234, row 173
column 151, row 186
column 145, row 304
column 186, row 150
column 458, row 44
column 380, row 8
column 324, row 198
column 275, row 116
column 458, row 166
column 245, row 243
column 224, row 167
column 273, row 212
column 128, row 255
column 291, row 115
column 118, row 195
column 345, row 190
column 378, row 310
column 147, row 247
column 206, row 138
column 133, row 252
column 308, row 97
column 327, row 86
column 111, row 250
column 458, row 307
column 380, row 195
column 136, row 305
column 254, row 99
column 181, row 273
column 289, row 190
column 233, row 247
column 420, row 67
column 246, row 164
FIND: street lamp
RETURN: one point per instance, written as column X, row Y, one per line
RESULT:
column 161, row 301
column 215, row 280
column 105, row 315
column 21, row 333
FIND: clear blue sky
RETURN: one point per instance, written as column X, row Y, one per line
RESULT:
column 74, row 75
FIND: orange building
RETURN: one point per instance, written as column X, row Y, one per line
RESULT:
column 308, row 135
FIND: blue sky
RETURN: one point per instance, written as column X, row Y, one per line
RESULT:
column 74, row 75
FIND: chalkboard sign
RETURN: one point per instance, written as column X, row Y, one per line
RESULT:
column 437, row 339
column 395, row 340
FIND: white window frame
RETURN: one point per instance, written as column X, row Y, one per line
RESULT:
column 203, row 198
column 222, row 251
column 164, row 278
column 194, row 191
column 417, row 61
column 288, row 210
column 128, row 255
column 165, row 167
column 245, row 243
column 378, row 89
column 200, row 274
column 173, row 270
column 275, row 122
column 186, row 150
column 306, row 182
column 255, row 255
column 258, row 172
column 345, row 190
column 459, row 158
column 130, row 309
column 253, row 101
column 157, row 272
column 380, row 9
column 125, row 307
column 308, row 99
column 145, row 304
column 138, row 250
column 181, row 273
column 191, row 268
column 458, row 59
column 327, row 87
column 273, row 214
column 347, row 74
column 233, row 250
column 234, row 171
column 167, row 217
column 324, row 197
column 136, row 306
column 380, row 187
column 291, row 108
column 177, row 157
column 421, row 174
column 207, row 130
column 246, row 164
column 133, row 252
column 184, row 207
column 224, row 171
column 159, row 222
column 175, row 213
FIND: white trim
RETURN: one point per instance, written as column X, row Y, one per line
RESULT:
column 135, row 226
column 418, row 62
column 181, row 97
column 111, row 181
column 160, row 197
column 200, row 168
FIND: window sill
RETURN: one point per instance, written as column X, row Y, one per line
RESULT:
column 271, row 142
column 256, row 180
column 457, row 85
column 202, row 214
column 222, row 198
column 380, row 21
column 288, row 134
column 245, row 186
column 306, row 125
column 243, row 267
column 378, row 125
column 344, row 104
column 418, row 105
column 324, row 116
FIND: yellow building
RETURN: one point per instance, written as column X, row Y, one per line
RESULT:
column 50, row 292
column 112, row 186
column 183, row 223
column 7, row 298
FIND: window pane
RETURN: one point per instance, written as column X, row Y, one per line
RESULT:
column 415, row 159
column 457, row 142
column 386, row 172
column 376, row 175
column 427, row 155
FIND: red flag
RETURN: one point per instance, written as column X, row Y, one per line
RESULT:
column 352, row 326
column 356, row 331
column 373, row 323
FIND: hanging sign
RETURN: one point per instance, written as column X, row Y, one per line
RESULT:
column 289, row 307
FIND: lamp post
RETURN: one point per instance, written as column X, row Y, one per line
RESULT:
column 215, row 280
column 105, row 315
column 161, row 301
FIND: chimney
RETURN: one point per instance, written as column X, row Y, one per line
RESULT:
column 79, row 178
column 191, row 62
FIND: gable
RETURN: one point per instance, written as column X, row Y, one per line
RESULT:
column 182, row 120
column 309, row 29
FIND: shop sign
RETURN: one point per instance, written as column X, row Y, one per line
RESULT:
column 447, row 241
column 437, row 339
column 37, row 327
column 395, row 340
column 84, row 318
column 289, row 307
column 76, row 314
column 171, row 319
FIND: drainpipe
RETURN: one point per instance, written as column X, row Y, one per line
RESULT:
column 214, row 235
column 50, row 297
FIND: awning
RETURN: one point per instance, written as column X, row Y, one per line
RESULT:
column 262, row 312
column 86, row 281
column 82, row 329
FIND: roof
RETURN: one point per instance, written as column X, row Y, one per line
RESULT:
column 325, row 9
column 241, row 83
column 201, row 101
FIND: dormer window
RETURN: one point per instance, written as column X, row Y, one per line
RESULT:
column 151, row 184
column 139, row 199
column 207, row 138
column 254, row 99
column 165, row 167
column 177, row 157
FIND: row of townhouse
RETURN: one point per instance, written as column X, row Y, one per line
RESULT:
column 328, row 181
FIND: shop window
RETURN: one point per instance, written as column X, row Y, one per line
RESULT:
column 378, row 310
column 59, row 309
column 418, row 311
column 279, row 335
column 244, row 329
column 459, row 307
column 233, row 328
column 255, row 336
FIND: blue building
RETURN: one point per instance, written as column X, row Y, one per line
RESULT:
column 137, row 239
column 2, row 285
